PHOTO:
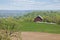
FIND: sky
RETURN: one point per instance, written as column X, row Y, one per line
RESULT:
column 29, row 4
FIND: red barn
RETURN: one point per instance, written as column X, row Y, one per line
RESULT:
column 38, row 19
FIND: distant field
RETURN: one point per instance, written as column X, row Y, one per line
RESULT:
column 40, row 27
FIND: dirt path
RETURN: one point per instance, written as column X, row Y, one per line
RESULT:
column 30, row 36
column 39, row 36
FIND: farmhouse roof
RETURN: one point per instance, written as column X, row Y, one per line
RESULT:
column 40, row 16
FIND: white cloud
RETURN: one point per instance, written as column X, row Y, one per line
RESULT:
column 27, row 2
column 56, row 0
column 23, row 4
column 30, row 5
column 53, row 6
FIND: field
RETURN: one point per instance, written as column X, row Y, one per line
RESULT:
column 15, row 25
column 40, row 27
column 34, row 31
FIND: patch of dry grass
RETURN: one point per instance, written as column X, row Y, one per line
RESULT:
column 6, row 36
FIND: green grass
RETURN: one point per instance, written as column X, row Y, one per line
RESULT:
column 39, row 27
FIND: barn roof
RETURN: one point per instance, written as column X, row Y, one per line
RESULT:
column 40, row 16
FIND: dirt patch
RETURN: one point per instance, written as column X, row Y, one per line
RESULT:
column 30, row 36
column 39, row 36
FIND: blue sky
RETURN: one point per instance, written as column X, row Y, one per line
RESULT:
column 29, row 4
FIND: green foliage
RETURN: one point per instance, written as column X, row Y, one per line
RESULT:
column 48, row 16
column 8, row 23
column 25, row 23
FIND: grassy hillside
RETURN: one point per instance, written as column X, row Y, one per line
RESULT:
column 25, row 23
column 40, row 27
column 48, row 16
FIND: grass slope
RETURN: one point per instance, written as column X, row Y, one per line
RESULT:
column 40, row 27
